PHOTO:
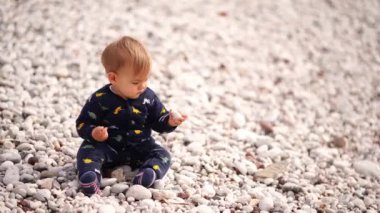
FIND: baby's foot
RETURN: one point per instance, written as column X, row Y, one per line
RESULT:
column 145, row 177
column 89, row 184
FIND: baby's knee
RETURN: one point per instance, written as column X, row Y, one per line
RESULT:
column 164, row 155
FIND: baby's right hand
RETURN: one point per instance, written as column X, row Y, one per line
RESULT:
column 100, row 133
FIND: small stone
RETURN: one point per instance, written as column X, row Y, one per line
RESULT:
column 274, row 152
column 139, row 192
column 131, row 199
column 183, row 195
column 11, row 203
column 6, row 165
column 13, row 130
column 69, row 151
column 72, row 192
column 240, row 166
column 61, row 72
column 149, row 203
column 183, row 179
column 24, row 146
column 204, row 209
column 11, row 155
column 8, row 145
column 339, row 142
column 248, row 208
column 43, row 194
column 24, row 204
column 53, row 206
column 12, row 175
column 159, row 184
column 57, row 146
column 121, row 196
column 176, row 166
column 9, row 187
column 244, row 199
column 21, row 191
column 27, row 178
column 273, row 170
column 196, row 148
column 106, row 209
column 48, row 174
column 254, row 202
column 163, row 194
column 176, row 115
column 129, row 174
column 118, row 173
column 267, row 127
column 40, row 166
column 108, row 182
column 119, row 188
column 106, row 191
column 238, row 120
column 46, row 183
column 197, row 198
column 367, row 168
column 35, row 204
column 32, row 160
column 292, row 187
column 359, row 203
column 208, row 190
column 266, row 204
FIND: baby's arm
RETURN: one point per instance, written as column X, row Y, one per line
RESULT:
column 88, row 120
column 159, row 116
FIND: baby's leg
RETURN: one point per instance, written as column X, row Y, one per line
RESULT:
column 90, row 159
column 155, row 166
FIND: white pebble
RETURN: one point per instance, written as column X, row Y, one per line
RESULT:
column 12, row 175
column 208, row 190
column 149, row 203
column 11, row 155
column 106, row 209
column 266, row 204
column 119, row 188
column 367, row 168
column 138, row 192
column 108, row 182
column 204, row 209
column 176, row 115
column 238, row 120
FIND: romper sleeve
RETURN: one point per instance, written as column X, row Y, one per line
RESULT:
column 159, row 116
column 89, row 118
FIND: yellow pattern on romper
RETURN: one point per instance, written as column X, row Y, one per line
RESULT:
column 138, row 132
column 156, row 167
column 99, row 94
column 136, row 111
column 117, row 110
column 87, row 160
column 163, row 110
column 80, row 126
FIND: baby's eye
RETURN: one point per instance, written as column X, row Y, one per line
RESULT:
column 135, row 83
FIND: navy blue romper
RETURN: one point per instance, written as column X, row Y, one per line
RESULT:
column 130, row 123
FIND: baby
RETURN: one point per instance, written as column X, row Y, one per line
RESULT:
column 117, row 120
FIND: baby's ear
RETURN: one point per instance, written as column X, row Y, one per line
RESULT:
column 111, row 77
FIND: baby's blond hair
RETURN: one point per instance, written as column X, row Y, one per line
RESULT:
column 126, row 51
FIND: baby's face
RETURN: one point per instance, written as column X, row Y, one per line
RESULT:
column 129, row 84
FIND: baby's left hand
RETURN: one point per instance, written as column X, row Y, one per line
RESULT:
column 176, row 118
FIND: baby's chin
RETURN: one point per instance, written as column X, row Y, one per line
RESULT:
column 135, row 96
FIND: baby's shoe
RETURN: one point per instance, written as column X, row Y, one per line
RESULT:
column 145, row 177
column 89, row 183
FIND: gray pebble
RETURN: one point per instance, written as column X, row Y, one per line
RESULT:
column 12, row 175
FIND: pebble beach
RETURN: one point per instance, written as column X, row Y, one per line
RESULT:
column 283, row 99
